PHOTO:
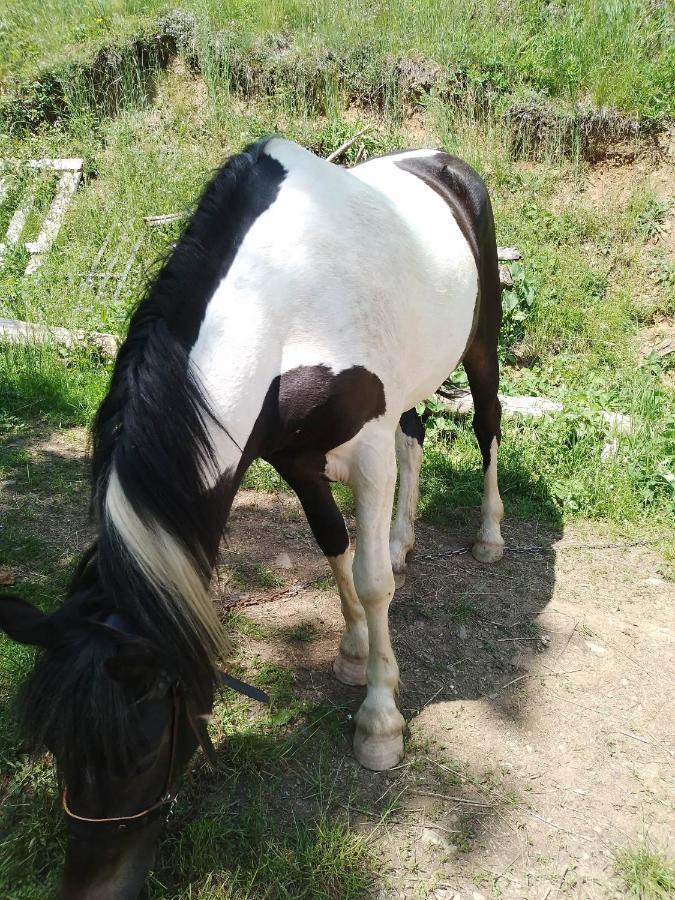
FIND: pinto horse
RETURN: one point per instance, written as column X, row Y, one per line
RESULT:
column 302, row 315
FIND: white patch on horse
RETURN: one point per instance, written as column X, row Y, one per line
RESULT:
column 165, row 563
column 489, row 545
column 352, row 659
column 402, row 538
column 362, row 267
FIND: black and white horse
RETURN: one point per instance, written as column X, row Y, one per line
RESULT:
column 302, row 315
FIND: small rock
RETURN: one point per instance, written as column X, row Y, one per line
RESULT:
column 596, row 648
column 432, row 837
column 6, row 577
column 462, row 632
column 283, row 561
column 653, row 581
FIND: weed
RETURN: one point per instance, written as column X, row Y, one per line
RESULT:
column 645, row 872
column 241, row 623
column 324, row 582
column 300, row 633
column 517, row 305
column 462, row 611
column 247, row 574
column 532, row 628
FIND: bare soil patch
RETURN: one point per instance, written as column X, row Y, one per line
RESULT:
column 537, row 692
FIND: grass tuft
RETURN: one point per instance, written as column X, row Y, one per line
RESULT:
column 645, row 872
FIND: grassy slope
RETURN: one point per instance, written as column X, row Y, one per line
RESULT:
column 618, row 53
column 592, row 278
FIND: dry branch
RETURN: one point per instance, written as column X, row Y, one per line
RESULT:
column 336, row 154
column 166, row 219
column 461, row 402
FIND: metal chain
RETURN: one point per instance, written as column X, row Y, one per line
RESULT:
column 533, row 548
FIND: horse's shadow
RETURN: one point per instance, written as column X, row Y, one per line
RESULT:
column 461, row 630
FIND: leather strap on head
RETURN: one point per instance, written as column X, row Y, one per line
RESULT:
column 242, row 688
column 84, row 826
column 124, row 824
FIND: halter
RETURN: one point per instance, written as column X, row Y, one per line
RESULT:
column 120, row 825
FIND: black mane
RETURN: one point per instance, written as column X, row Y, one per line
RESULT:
column 72, row 706
column 151, row 431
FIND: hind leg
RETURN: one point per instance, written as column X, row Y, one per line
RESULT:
column 409, row 440
column 330, row 531
column 482, row 369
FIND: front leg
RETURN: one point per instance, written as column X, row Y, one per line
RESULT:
column 330, row 531
column 378, row 741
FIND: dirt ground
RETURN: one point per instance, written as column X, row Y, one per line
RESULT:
column 538, row 694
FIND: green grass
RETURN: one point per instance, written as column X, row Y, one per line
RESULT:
column 616, row 53
column 645, row 873
column 252, row 858
column 42, row 382
column 246, row 574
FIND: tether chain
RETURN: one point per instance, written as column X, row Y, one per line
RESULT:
column 295, row 589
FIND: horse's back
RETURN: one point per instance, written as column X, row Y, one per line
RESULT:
column 344, row 268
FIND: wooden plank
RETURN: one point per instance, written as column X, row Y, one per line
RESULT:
column 18, row 221
column 14, row 331
column 68, row 183
column 58, row 165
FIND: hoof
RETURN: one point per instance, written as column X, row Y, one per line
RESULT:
column 350, row 669
column 487, row 553
column 399, row 553
column 378, row 753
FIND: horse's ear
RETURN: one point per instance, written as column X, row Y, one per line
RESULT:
column 27, row 624
column 135, row 664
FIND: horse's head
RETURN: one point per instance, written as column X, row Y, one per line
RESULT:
column 122, row 729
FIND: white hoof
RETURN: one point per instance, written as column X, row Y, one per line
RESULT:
column 350, row 670
column 398, row 553
column 378, row 752
column 486, row 552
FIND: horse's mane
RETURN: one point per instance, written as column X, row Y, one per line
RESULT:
column 159, row 514
column 71, row 705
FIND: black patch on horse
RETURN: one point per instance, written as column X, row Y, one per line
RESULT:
column 240, row 192
column 466, row 195
column 307, row 412
column 462, row 188
column 411, row 425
